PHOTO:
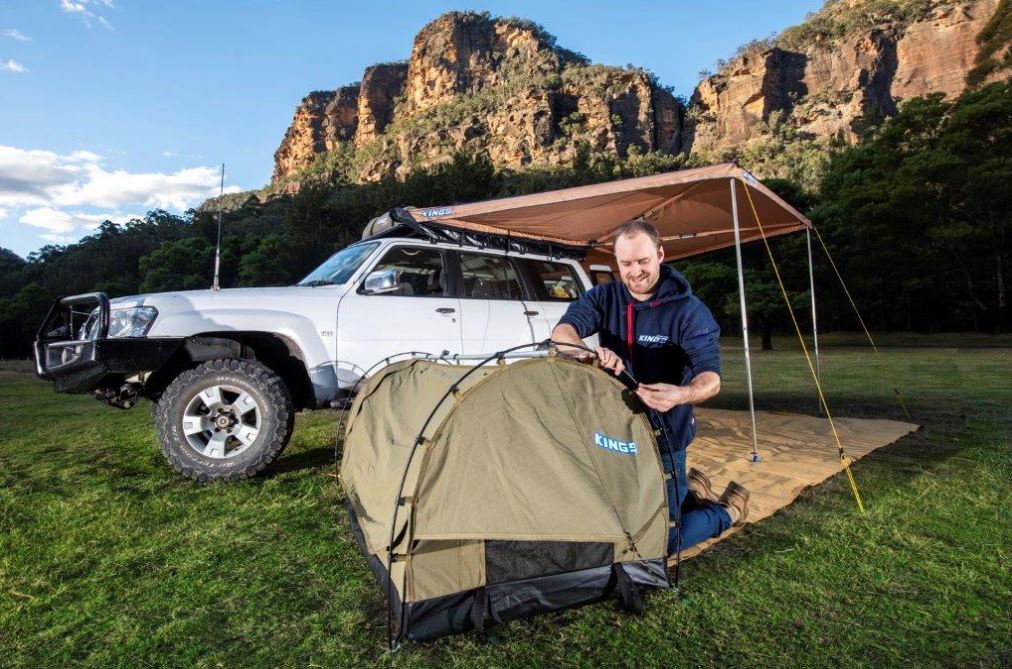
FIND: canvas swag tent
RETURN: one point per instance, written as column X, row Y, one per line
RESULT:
column 480, row 494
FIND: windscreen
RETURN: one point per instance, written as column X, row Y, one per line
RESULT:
column 339, row 267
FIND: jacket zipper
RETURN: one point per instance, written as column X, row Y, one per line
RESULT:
column 629, row 330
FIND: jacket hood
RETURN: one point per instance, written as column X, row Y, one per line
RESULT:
column 671, row 286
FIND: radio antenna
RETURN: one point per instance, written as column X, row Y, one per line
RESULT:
column 217, row 248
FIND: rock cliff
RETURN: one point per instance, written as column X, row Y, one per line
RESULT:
column 504, row 88
column 475, row 82
column 849, row 64
column 324, row 120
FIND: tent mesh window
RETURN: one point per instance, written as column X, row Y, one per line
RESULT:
column 507, row 561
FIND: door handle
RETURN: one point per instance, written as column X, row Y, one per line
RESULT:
column 531, row 313
column 446, row 310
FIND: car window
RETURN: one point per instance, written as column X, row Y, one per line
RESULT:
column 489, row 277
column 554, row 281
column 420, row 272
column 339, row 267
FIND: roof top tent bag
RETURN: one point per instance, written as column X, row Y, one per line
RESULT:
column 481, row 494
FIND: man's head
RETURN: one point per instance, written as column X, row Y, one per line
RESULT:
column 639, row 256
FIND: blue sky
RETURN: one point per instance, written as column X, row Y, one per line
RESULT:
column 109, row 108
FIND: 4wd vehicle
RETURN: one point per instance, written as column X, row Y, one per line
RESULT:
column 228, row 369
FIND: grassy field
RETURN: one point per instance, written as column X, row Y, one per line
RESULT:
column 109, row 559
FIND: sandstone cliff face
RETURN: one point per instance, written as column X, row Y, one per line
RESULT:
column 473, row 82
column 503, row 88
column 323, row 121
column 935, row 55
column 461, row 53
column 824, row 89
column 381, row 84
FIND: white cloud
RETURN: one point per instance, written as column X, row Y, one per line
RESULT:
column 32, row 177
column 59, row 239
column 12, row 66
column 83, row 156
column 14, row 33
column 72, row 7
column 69, row 195
column 81, row 8
column 92, row 221
column 62, row 222
column 49, row 219
column 178, row 190
column 79, row 179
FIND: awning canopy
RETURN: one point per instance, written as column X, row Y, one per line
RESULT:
column 691, row 209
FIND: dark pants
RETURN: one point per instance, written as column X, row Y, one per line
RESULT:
column 699, row 522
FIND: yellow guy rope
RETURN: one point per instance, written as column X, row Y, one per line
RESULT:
column 843, row 284
column 808, row 358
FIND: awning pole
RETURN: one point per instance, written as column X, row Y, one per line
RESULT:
column 815, row 322
column 744, row 319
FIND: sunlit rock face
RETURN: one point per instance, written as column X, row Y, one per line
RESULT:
column 823, row 87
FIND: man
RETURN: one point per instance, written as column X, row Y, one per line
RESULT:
column 651, row 324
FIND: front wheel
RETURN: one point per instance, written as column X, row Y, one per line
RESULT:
column 225, row 419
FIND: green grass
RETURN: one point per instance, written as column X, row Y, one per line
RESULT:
column 109, row 559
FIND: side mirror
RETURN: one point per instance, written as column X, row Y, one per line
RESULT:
column 381, row 282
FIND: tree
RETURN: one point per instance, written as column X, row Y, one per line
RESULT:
column 178, row 265
column 270, row 263
column 20, row 318
column 12, row 268
column 920, row 212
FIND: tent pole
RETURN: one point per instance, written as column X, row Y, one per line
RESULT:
column 744, row 319
column 815, row 323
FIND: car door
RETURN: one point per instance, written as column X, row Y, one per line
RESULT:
column 555, row 285
column 418, row 314
column 494, row 313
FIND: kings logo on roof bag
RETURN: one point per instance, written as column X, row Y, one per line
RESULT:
column 614, row 445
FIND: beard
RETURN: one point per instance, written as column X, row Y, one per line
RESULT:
column 643, row 284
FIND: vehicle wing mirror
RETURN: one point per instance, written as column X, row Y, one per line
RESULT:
column 381, row 282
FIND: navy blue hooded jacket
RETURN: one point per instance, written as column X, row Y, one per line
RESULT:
column 669, row 338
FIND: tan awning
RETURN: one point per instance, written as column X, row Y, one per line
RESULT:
column 691, row 209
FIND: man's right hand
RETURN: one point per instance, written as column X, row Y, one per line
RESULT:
column 610, row 360
column 564, row 333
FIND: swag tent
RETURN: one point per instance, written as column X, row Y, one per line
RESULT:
column 471, row 513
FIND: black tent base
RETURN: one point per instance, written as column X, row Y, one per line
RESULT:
column 520, row 598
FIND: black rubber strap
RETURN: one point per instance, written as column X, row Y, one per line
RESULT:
column 478, row 608
column 628, row 594
column 483, row 616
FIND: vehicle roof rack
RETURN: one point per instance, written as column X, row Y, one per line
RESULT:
column 399, row 223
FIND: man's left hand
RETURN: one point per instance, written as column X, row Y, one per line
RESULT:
column 662, row 396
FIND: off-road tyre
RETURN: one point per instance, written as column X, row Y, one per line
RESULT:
column 273, row 403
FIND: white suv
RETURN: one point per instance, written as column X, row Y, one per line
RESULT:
column 228, row 369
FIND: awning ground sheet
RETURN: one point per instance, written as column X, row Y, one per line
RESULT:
column 797, row 452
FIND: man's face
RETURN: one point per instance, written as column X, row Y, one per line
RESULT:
column 639, row 263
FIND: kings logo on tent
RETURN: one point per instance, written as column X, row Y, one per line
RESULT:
column 614, row 445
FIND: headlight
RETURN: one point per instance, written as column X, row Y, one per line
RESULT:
column 131, row 322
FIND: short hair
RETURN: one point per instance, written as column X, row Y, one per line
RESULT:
column 636, row 227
